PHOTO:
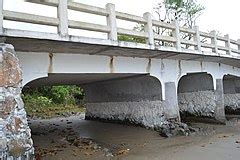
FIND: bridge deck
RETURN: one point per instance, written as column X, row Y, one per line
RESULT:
column 193, row 48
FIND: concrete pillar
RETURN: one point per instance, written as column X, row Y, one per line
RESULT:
column 15, row 135
column 171, row 101
column 219, row 111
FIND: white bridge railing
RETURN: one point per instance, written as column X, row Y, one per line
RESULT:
column 63, row 24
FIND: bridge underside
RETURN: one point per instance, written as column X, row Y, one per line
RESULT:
column 78, row 79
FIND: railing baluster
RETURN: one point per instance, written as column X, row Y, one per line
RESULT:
column 63, row 17
column 238, row 45
column 214, row 41
column 176, row 34
column 1, row 16
column 197, row 39
column 112, row 22
column 228, row 44
column 148, row 28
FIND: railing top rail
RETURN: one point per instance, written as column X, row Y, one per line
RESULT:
column 53, row 3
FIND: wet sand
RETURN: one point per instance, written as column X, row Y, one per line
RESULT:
column 58, row 139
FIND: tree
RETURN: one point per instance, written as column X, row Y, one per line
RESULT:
column 185, row 12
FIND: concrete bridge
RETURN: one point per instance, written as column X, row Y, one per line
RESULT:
column 144, row 84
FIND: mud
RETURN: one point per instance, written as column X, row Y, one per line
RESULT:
column 74, row 138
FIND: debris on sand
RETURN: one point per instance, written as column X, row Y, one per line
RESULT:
column 173, row 128
column 123, row 151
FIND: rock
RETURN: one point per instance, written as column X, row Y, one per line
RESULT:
column 200, row 103
column 173, row 128
column 15, row 134
column 16, row 147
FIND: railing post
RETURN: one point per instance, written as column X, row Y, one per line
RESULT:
column 197, row 39
column 214, row 41
column 228, row 44
column 176, row 34
column 148, row 28
column 112, row 21
column 238, row 45
column 63, row 17
column 1, row 16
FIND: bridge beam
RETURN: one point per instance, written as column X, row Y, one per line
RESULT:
column 15, row 137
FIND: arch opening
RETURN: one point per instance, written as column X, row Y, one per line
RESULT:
column 196, row 96
column 231, row 86
column 131, row 98
column 125, row 98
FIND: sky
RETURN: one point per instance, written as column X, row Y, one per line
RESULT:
column 220, row 15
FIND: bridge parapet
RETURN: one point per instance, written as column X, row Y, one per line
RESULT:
column 199, row 41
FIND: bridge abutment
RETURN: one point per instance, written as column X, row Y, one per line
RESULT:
column 15, row 136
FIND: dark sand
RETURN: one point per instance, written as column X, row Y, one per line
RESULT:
column 57, row 139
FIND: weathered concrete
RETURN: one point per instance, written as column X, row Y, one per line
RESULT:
column 171, row 109
column 15, row 136
column 131, row 89
column 219, row 112
column 135, row 100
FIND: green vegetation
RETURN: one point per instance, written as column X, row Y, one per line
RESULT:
column 48, row 102
column 186, row 12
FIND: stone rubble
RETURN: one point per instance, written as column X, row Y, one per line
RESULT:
column 200, row 103
column 232, row 103
column 145, row 113
column 149, row 114
column 15, row 135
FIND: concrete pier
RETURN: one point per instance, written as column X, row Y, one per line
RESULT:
column 219, row 93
